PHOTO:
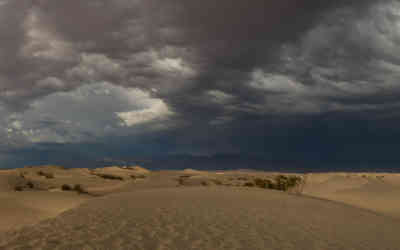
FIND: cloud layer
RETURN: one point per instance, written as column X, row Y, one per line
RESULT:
column 202, row 77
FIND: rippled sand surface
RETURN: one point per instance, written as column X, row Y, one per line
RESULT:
column 133, row 208
column 209, row 218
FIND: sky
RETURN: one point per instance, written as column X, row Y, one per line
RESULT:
column 291, row 81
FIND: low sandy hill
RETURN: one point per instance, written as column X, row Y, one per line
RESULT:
column 121, row 173
column 209, row 218
column 106, row 179
column 31, row 194
column 31, row 206
column 9, row 179
column 379, row 192
column 190, row 171
column 193, row 209
column 19, row 209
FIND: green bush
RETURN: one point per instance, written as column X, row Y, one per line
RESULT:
column 262, row 183
column 284, row 183
column 281, row 182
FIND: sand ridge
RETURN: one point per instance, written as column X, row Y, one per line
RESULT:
column 32, row 194
column 133, row 208
column 209, row 218
column 374, row 191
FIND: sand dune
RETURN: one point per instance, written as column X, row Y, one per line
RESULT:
column 39, row 197
column 196, row 210
column 209, row 218
column 376, row 192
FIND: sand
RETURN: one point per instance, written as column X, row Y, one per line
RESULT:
column 209, row 218
column 46, row 199
column 162, row 211
column 376, row 192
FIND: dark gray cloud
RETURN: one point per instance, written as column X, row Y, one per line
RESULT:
column 200, row 77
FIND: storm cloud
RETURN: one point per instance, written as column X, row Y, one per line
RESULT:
column 290, row 80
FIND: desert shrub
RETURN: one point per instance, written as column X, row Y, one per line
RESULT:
column 249, row 184
column 181, row 181
column 66, row 187
column 242, row 178
column 217, row 182
column 23, row 186
column 80, row 189
column 294, row 181
column 46, row 174
column 284, row 183
column 272, row 185
column 110, row 177
column 204, row 183
column 30, row 184
column 281, row 182
column 262, row 183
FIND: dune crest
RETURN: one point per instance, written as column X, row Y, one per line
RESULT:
column 193, row 209
column 218, row 218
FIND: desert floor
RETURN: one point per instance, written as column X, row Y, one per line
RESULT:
column 132, row 208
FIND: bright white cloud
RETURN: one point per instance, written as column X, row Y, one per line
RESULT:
column 87, row 113
column 16, row 125
column 94, row 67
column 219, row 96
column 173, row 65
column 157, row 110
column 275, row 83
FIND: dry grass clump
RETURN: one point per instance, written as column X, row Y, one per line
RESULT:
column 217, row 182
column 66, row 187
column 181, row 179
column 77, row 187
column 19, row 188
column 263, row 183
column 190, row 180
column 111, row 177
column 23, row 186
column 48, row 175
column 249, row 184
column 30, row 184
column 141, row 176
column 80, row 189
column 205, row 183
